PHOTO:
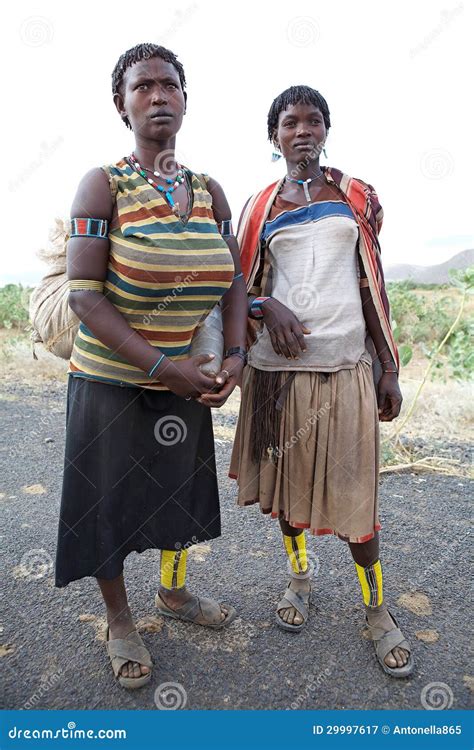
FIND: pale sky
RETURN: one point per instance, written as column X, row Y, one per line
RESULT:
column 396, row 78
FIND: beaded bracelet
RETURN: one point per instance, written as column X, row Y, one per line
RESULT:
column 150, row 373
column 256, row 307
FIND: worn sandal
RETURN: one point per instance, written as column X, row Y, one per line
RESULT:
column 130, row 648
column 385, row 641
column 197, row 607
column 300, row 601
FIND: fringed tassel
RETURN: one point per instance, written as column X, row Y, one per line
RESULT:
column 265, row 416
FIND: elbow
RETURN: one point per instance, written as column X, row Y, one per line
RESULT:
column 80, row 303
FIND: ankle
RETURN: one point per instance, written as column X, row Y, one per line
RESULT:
column 117, row 618
column 172, row 593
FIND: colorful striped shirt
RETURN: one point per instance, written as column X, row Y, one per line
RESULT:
column 165, row 274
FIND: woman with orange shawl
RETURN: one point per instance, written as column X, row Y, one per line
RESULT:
column 307, row 442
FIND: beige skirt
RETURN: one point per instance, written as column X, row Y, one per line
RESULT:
column 323, row 474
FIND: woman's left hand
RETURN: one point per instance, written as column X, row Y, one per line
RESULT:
column 389, row 397
column 226, row 380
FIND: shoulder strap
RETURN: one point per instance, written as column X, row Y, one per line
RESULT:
column 112, row 185
column 202, row 178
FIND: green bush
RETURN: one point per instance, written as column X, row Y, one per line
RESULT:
column 14, row 300
column 426, row 319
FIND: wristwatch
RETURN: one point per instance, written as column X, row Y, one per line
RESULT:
column 238, row 350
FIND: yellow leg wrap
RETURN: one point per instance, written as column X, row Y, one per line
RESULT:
column 296, row 550
column 371, row 583
column 173, row 568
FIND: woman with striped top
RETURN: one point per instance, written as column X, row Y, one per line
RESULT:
column 151, row 254
column 307, row 439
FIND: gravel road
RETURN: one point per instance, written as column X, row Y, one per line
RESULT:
column 53, row 655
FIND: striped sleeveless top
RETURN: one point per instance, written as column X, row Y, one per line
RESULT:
column 164, row 275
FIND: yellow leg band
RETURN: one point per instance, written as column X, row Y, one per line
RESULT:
column 371, row 583
column 296, row 550
column 173, row 568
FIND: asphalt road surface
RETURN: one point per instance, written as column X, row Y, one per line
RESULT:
column 53, row 653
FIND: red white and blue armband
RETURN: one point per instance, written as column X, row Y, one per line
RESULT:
column 255, row 310
column 89, row 228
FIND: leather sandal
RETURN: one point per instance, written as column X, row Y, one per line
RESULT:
column 130, row 648
column 197, row 609
column 300, row 601
column 385, row 641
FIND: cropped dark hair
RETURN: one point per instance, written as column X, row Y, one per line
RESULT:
column 296, row 95
column 144, row 52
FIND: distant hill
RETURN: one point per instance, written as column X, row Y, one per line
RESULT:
column 430, row 274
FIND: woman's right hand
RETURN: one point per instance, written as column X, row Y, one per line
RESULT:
column 185, row 377
column 286, row 331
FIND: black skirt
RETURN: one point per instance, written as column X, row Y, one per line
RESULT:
column 139, row 474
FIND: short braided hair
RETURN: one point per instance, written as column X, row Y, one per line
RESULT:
column 140, row 52
column 290, row 97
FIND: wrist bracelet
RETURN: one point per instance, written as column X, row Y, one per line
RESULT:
column 236, row 350
column 150, row 373
column 256, row 307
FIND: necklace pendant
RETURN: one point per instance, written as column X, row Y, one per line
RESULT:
column 306, row 192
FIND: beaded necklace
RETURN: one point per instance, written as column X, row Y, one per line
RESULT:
column 305, row 184
column 172, row 183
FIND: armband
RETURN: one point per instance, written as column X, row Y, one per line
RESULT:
column 225, row 228
column 89, row 228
